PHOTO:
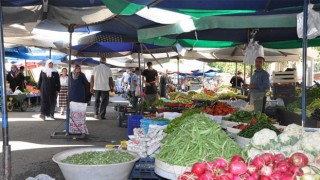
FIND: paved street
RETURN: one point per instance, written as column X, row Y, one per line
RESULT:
column 32, row 147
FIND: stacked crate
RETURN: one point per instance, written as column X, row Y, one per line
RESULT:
column 284, row 85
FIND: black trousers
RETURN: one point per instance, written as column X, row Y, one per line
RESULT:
column 101, row 102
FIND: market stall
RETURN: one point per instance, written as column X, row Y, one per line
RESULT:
column 218, row 138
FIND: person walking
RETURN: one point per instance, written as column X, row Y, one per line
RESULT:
column 15, row 79
column 259, row 85
column 150, row 78
column 135, row 86
column 80, row 87
column 100, row 84
column 49, row 85
column 163, row 84
column 63, row 94
column 237, row 81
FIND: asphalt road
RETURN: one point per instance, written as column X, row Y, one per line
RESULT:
column 32, row 147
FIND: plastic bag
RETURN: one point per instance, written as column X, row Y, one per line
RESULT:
column 77, row 123
column 17, row 92
column 313, row 23
column 253, row 51
column 41, row 177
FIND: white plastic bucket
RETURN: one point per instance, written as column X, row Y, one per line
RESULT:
column 120, row 171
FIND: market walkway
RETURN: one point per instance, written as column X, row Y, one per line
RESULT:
column 32, row 147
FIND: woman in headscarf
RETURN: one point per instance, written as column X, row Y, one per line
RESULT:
column 80, row 87
column 15, row 79
column 63, row 94
column 49, row 85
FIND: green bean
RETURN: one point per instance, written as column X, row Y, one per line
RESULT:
column 196, row 139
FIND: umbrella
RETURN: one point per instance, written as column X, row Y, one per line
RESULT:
column 83, row 61
column 237, row 53
column 110, row 45
column 33, row 53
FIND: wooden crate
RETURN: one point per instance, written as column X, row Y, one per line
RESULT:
column 284, row 77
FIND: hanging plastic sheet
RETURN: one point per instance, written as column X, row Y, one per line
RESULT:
column 253, row 51
column 313, row 23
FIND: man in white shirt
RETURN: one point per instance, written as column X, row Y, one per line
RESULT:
column 101, row 83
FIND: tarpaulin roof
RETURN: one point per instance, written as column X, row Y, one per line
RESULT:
column 32, row 53
column 200, row 8
column 217, row 24
column 62, row 11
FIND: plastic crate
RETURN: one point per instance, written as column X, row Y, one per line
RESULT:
column 133, row 122
column 144, row 123
column 144, row 169
column 284, row 90
column 122, row 119
column 120, row 108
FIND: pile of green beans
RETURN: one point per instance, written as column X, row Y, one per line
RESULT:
column 197, row 139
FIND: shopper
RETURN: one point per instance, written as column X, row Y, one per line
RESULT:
column 49, row 85
column 150, row 79
column 80, row 87
column 163, row 84
column 15, row 79
column 125, row 83
column 237, row 81
column 135, row 88
column 101, row 83
column 259, row 86
column 63, row 94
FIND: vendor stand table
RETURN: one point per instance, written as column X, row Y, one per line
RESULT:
column 17, row 102
column 37, row 96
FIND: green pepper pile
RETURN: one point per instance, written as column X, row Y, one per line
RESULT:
column 96, row 158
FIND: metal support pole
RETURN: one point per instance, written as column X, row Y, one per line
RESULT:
column 50, row 52
column 203, row 72
column 25, row 67
column 139, row 61
column 304, row 61
column 6, row 149
column 236, row 75
column 244, row 73
column 179, row 85
column 251, row 71
column 71, row 30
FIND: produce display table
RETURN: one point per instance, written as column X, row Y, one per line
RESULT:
column 16, row 101
column 37, row 96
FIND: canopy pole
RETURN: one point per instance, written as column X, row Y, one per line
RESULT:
column 71, row 30
column 50, row 52
column 251, row 71
column 304, row 61
column 139, row 61
column 203, row 72
column 236, row 75
column 244, row 72
column 179, row 85
column 6, row 148
column 152, row 55
column 25, row 67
